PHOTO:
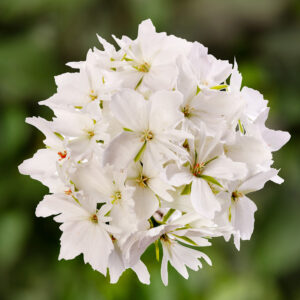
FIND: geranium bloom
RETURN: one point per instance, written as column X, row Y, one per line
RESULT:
column 149, row 133
column 154, row 142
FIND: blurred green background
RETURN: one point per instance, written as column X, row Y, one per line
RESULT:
column 37, row 38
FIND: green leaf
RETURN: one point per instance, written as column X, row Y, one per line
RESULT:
column 140, row 153
column 187, row 189
column 211, row 180
column 168, row 215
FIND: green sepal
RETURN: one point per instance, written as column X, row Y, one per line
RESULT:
column 140, row 153
column 220, row 87
column 168, row 215
column 241, row 127
column 187, row 189
column 154, row 223
column 186, row 164
column 76, row 199
column 139, row 83
column 151, row 223
column 186, row 239
column 101, row 104
column 75, row 188
column 127, row 129
column 210, row 160
column 156, row 250
column 198, row 90
column 125, row 58
column 158, row 198
column 211, row 180
column 59, row 136
column 187, row 226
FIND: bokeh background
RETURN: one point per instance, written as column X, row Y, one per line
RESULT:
column 37, row 38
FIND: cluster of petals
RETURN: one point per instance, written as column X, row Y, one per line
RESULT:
column 155, row 142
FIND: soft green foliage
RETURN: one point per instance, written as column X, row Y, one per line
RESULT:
column 39, row 36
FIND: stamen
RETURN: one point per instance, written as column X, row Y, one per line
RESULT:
column 147, row 135
column 142, row 181
column 116, row 197
column 68, row 192
column 165, row 238
column 91, row 133
column 187, row 111
column 144, row 68
column 94, row 218
column 235, row 195
column 62, row 155
column 93, row 96
column 197, row 169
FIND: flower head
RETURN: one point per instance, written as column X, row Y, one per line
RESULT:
column 155, row 142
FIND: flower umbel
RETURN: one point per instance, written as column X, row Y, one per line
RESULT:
column 152, row 143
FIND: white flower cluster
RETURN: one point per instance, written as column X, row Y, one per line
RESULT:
column 154, row 143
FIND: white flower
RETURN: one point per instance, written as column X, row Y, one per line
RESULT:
column 154, row 142
column 149, row 60
column 207, row 71
column 44, row 165
column 84, row 133
column 78, row 90
column 240, row 208
column 274, row 139
column 116, row 267
column 84, row 228
column 150, row 188
column 180, row 257
column 108, row 186
column 206, row 166
column 146, row 131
